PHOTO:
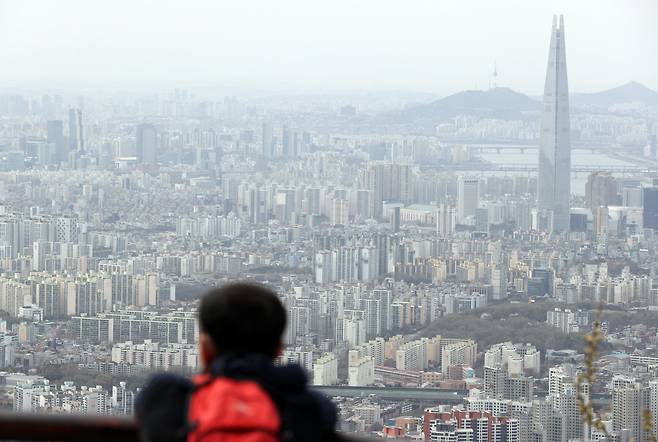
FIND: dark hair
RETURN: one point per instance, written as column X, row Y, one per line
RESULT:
column 243, row 317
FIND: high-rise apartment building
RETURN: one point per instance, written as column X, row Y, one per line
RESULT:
column 567, row 320
column 152, row 354
column 412, row 356
column 339, row 212
column 468, row 426
column 445, row 220
column 325, row 370
column 123, row 400
column 498, row 383
column 286, row 141
column 601, row 190
column 268, row 146
column 650, row 206
column 629, row 399
column 387, row 181
column 147, row 143
column 76, row 134
column 458, row 353
column 468, row 198
column 554, row 178
column 55, row 136
column 361, row 369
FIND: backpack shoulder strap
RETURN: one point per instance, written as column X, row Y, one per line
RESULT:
column 304, row 415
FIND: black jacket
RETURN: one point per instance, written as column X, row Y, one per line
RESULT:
column 306, row 415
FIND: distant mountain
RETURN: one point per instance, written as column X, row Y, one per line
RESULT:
column 499, row 102
column 632, row 92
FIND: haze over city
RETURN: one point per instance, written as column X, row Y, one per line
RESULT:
column 301, row 47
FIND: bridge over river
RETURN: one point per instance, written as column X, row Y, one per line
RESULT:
column 493, row 147
column 423, row 395
column 528, row 168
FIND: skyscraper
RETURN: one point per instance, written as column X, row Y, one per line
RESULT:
column 553, row 182
column 650, row 206
column 468, row 198
column 286, row 142
column 268, row 141
column 76, row 135
column 55, row 135
column 147, row 143
column 601, row 190
column 445, row 220
column 395, row 219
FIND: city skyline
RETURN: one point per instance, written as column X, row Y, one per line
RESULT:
column 450, row 269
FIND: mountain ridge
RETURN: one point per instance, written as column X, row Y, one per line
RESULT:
column 500, row 102
column 630, row 92
column 506, row 103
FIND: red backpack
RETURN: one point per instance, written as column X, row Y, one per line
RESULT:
column 244, row 412
column 240, row 399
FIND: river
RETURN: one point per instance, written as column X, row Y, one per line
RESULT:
column 578, row 158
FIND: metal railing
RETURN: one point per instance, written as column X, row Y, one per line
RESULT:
column 67, row 428
column 77, row 428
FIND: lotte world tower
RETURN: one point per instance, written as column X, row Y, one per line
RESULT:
column 554, row 176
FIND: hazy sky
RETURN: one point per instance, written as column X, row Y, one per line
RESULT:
column 439, row 46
